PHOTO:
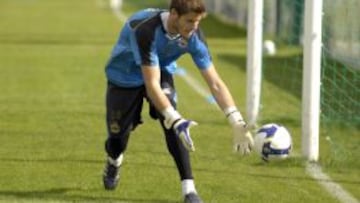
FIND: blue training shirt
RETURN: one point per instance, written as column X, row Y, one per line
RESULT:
column 144, row 41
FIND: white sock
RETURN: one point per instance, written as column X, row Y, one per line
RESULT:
column 116, row 162
column 188, row 186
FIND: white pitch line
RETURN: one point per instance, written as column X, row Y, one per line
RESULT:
column 314, row 170
column 105, row 4
column 119, row 15
column 192, row 82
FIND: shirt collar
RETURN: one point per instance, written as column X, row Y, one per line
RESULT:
column 164, row 18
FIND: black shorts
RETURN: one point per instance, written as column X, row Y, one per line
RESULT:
column 124, row 105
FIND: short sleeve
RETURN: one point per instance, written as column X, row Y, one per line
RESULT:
column 143, row 47
column 199, row 51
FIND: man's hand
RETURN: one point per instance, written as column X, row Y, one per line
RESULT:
column 243, row 140
column 182, row 130
column 181, row 127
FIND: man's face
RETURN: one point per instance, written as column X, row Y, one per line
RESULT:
column 186, row 24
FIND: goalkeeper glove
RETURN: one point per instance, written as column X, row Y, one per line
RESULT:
column 243, row 140
column 181, row 127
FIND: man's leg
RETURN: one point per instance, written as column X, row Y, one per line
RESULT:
column 123, row 110
column 175, row 146
column 182, row 160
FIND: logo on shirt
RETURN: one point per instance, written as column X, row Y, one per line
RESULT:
column 182, row 42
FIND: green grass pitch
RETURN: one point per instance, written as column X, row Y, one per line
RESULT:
column 52, row 130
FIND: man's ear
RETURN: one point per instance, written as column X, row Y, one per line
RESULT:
column 174, row 13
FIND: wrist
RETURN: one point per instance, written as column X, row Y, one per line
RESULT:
column 170, row 114
column 233, row 115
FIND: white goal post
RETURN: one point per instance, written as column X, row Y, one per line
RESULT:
column 311, row 71
column 311, row 79
column 254, row 59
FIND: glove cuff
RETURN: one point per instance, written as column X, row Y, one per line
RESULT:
column 233, row 115
column 171, row 115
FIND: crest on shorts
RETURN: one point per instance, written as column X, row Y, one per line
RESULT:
column 114, row 122
column 114, row 127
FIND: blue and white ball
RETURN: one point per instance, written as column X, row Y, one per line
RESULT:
column 273, row 142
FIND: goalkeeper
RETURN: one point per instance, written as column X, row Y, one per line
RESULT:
column 141, row 66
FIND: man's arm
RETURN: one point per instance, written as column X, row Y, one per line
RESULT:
column 243, row 141
column 173, row 120
column 151, row 77
column 218, row 88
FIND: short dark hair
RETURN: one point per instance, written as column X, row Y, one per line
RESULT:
column 187, row 6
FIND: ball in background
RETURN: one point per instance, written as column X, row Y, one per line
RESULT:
column 116, row 4
column 269, row 47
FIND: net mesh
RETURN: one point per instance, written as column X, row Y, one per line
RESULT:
column 283, row 23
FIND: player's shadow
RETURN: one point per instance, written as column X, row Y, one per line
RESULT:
column 52, row 160
column 62, row 194
column 67, row 193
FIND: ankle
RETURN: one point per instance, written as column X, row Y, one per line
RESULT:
column 188, row 186
column 116, row 162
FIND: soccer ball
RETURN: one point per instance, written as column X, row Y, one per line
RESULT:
column 273, row 142
column 269, row 48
